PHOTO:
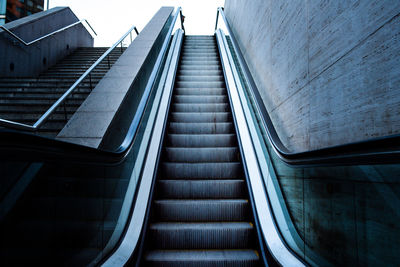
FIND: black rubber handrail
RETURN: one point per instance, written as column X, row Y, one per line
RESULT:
column 18, row 146
column 383, row 150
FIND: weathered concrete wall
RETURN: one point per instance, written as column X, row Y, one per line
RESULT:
column 104, row 118
column 17, row 60
column 327, row 70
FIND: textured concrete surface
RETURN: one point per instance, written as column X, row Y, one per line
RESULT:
column 32, row 60
column 328, row 71
column 106, row 114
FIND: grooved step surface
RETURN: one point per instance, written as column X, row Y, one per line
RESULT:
column 203, row 258
column 201, row 140
column 201, row 189
column 204, row 154
column 200, row 117
column 198, row 210
column 200, row 214
column 203, row 107
column 201, row 235
column 215, row 170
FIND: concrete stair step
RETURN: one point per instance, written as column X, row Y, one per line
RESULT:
column 31, row 118
column 40, row 92
column 42, row 84
column 45, row 79
column 38, row 97
column 37, row 102
column 34, row 109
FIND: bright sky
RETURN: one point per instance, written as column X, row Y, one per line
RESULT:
column 111, row 19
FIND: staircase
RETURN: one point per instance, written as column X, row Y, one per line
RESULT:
column 25, row 100
column 200, row 215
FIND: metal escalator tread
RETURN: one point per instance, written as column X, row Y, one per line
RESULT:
column 200, row 214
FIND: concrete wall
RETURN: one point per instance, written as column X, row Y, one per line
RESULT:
column 104, row 118
column 327, row 70
column 32, row 60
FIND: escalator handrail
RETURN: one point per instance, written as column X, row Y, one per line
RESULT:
column 15, row 145
column 264, row 219
column 382, row 150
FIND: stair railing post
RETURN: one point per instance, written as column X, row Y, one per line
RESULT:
column 108, row 59
column 130, row 35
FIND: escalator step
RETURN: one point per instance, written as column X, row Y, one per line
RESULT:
column 189, row 210
column 203, row 91
column 201, row 140
column 225, row 170
column 200, row 67
column 202, row 258
column 200, row 99
column 206, row 189
column 205, row 154
column 201, row 72
column 201, row 128
column 200, row 117
column 210, row 235
column 218, row 107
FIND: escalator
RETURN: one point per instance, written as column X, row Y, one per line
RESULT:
column 201, row 179
column 200, row 214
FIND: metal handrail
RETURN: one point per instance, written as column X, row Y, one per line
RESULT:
column 382, row 150
column 19, row 39
column 45, row 116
